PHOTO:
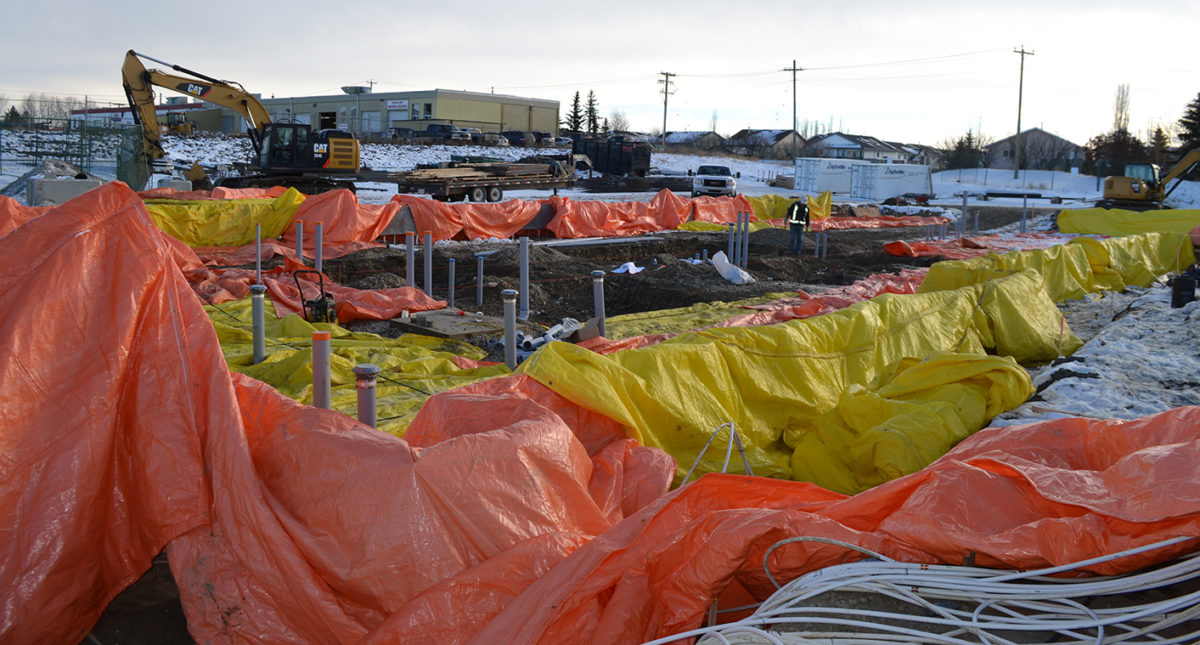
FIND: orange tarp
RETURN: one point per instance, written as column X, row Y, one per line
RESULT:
column 13, row 214
column 342, row 219
column 513, row 515
column 472, row 221
column 883, row 221
column 215, row 287
column 666, row 211
column 216, row 193
column 971, row 247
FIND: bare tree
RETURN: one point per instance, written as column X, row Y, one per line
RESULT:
column 618, row 120
column 1121, row 108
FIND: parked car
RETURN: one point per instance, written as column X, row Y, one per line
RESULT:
column 519, row 138
column 544, row 138
column 564, row 142
column 401, row 135
column 475, row 134
column 445, row 133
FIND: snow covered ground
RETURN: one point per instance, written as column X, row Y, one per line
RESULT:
column 1076, row 191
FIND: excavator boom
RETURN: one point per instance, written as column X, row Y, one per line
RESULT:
column 284, row 153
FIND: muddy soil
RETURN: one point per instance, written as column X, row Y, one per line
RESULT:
column 561, row 287
column 560, row 271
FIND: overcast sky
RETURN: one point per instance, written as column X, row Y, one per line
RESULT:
column 917, row 72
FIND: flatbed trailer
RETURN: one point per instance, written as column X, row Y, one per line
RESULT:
column 477, row 182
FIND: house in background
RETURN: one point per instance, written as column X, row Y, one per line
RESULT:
column 694, row 140
column 839, row 145
column 1040, row 150
column 765, row 144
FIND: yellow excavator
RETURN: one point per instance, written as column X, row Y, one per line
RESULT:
column 1143, row 187
column 285, row 154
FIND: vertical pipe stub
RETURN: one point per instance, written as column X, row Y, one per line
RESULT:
column 365, row 377
column 322, row 386
column 319, row 249
column 598, row 300
column 409, row 256
column 510, row 327
column 427, row 250
column 479, row 280
column 745, row 254
column 257, row 253
column 257, row 292
column 300, row 241
column 450, row 297
column 523, row 313
column 732, row 235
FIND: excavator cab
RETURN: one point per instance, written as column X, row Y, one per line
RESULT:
column 294, row 146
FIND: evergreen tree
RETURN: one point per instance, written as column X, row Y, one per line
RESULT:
column 13, row 117
column 1159, row 142
column 1108, row 153
column 592, row 112
column 575, row 117
column 965, row 153
column 1189, row 127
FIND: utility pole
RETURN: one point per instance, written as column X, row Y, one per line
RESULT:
column 665, row 81
column 795, row 125
column 1020, row 92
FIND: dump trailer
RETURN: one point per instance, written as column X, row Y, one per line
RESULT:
column 478, row 181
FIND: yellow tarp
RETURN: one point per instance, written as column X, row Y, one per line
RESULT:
column 673, row 321
column 775, row 206
column 774, row 382
column 215, row 222
column 1084, row 265
column 913, row 413
column 414, row 366
column 1102, row 221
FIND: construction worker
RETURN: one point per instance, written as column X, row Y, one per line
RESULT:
column 797, row 219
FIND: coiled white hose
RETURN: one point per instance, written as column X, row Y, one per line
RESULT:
column 941, row 604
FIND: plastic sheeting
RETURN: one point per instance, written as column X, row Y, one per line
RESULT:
column 1038, row 495
column 218, row 286
column 225, row 222
column 514, row 516
column 414, row 366
column 882, row 221
column 773, row 382
column 342, row 218
column 1082, row 266
column 216, row 193
column 911, row 414
column 973, row 247
column 774, row 207
column 468, row 221
column 1101, row 221
column 13, row 214
column 666, row 211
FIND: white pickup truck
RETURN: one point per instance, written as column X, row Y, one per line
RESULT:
column 714, row 180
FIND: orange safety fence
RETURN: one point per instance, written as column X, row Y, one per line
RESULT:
column 510, row 514
column 971, row 247
column 236, row 255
